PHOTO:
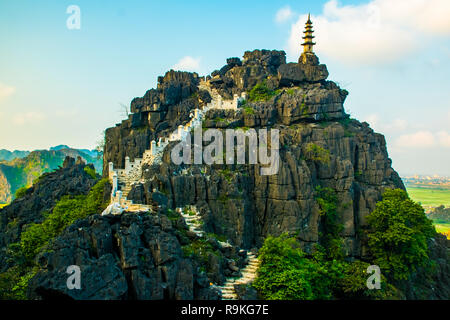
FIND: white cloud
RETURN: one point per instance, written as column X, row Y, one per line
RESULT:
column 397, row 125
column 67, row 113
column 419, row 139
column 28, row 118
column 380, row 31
column 187, row 63
column 6, row 91
column 284, row 14
column 373, row 120
column 424, row 139
column 443, row 138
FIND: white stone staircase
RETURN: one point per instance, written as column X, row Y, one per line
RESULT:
column 193, row 220
column 123, row 179
column 248, row 274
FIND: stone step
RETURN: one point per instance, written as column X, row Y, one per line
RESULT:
column 228, row 291
column 229, row 286
column 252, row 267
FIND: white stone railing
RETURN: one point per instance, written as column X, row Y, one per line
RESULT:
column 132, row 172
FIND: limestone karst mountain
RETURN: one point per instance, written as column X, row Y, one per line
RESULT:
column 319, row 146
column 22, row 171
column 192, row 231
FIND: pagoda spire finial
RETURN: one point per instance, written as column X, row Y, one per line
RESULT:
column 308, row 37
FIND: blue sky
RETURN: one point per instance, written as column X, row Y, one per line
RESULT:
column 61, row 86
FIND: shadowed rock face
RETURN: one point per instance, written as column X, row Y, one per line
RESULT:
column 132, row 256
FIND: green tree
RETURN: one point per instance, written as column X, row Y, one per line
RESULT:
column 398, row 235
column 21, row 192
column 317, row 153
column 331, row 229
column 353, row 284
column 260, row 92
column 286, row 274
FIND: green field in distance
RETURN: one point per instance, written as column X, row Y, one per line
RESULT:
column 430, row 197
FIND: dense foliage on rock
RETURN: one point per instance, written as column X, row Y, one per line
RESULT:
column 398, row 236
column 287, row 273
column 400, row 242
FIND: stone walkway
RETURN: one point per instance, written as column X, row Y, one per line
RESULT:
column 123, row 179
column 193, row 220
column 248, row 276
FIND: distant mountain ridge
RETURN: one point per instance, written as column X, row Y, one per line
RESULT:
column 11, row 155
column 20, row 168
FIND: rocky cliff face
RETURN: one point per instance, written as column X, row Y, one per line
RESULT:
column 132, row 256
column 319, row 146
column 71, row 179
column 157, row 113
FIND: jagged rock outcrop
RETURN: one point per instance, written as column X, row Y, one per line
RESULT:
column 307, row 69
column 238, row 76
column 132, row 256
column 72, row 179
column 157, row 113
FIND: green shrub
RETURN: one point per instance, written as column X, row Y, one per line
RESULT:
column 317, row 153
column 14, row 282
column 286, row 274
column 90, row 171
column 200, row 250
column 398, row 235
column 260, row 92
column 19, row 290
column 21, row 192
column 290, row 91
column 353, row 284
column 249, row 110
column 331, row 229
column 67, row 210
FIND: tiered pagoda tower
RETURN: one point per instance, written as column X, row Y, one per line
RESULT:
column 308, row 37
